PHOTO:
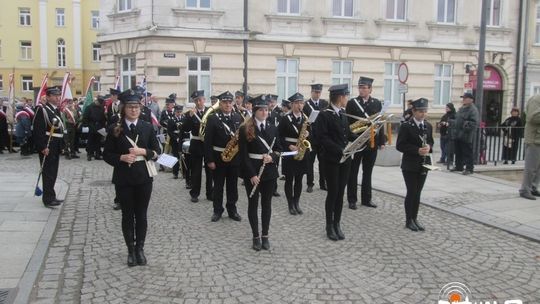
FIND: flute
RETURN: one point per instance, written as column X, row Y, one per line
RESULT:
column 261, row 170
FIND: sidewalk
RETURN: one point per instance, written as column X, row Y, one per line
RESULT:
column 26, row 228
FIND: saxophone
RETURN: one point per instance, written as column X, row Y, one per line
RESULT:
column 303, row 144
column 231, row 149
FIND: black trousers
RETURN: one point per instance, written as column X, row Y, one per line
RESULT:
column 336, row 179
column 186, row 163
column 414, row 181
column 510, row 153
column 70, row 139
column 196, row 176
column 464, row 155
column 367, row 158
column 175, row 151
column 293, row 187
column 310, row 176
column 50, row 169
column 134, row 201
column 225, row 174
column 265, row 189
column 94, row 144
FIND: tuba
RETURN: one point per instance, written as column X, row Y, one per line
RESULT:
column 231, row 149
column 204, row 119
column 376, row 122
column 303, row 144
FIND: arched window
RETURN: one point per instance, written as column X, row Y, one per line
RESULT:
column 61, row 52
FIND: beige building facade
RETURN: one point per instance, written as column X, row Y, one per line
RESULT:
column 184, row 45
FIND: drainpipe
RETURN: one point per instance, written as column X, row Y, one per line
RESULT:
column 245, row 85
column 525, row 57
column 519, row 54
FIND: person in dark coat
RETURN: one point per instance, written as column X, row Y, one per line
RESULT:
column 333, row 133
column 174, row 132
column 23, row 129
column 94, row 118
column 259, row 149
column 294, row 170
column 464, row 130
column 513, row 132
column 415, row 141
column 112, row 111
column 221, row 127
column 49, row 144
column 129, row 145
column 446, row 140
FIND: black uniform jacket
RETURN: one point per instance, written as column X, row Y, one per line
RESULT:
column 409, row 141
column 249, row 167
column 333, row 134
column 309, row 106
column 274, row 116
column 146, row 114
column 218, row 135
column 192, row 124
column 174, row 129
column 113, row 113
column 289, row 128
column 165, row 117
column 370, row 107
column 94, row 117
column 42, row 124
column 136, row 174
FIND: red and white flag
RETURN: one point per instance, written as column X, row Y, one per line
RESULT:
column 42, row 90
column 117, row 83
column 66, row 90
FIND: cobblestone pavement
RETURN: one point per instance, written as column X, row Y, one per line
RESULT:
column 192, row 260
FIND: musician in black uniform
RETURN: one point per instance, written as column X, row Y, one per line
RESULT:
column 275, row 112
column 333, row 133
column 294, row 170
column 174, row 131
column 285, row 107
column 168, row 113
column 113, row 107
column 146, row 114
column 315, row 104
column 259, row 144
column 49, row 152
column 192, row 122
column 220, row 129
column 364, row 106
column 415, row 140
column 129, row 144
column 239, row 98
column 94, row 118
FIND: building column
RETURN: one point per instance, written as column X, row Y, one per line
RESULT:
column 43, row 43
column 77, row 33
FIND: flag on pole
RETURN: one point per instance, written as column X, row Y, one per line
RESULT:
column 143, row 85
column 89, row 99
column 42, row 90
column 155, row 121
column 10, row 113
column 117, row 83
column 66, row 90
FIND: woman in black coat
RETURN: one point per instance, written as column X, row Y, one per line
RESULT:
column 446, row 140
column 513, row 131
column 130, row 144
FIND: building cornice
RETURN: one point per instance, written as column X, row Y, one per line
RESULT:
column 495, row 29
column 275, row 17
column 384, row 22
column 445, row 26
column 342, row 20
column 198, row 12
column 132, row 13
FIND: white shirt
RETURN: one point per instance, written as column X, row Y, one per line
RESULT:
column 128, row 123
column 259, row 123
column 315, row 102
column 336, row 109
column 418, row 122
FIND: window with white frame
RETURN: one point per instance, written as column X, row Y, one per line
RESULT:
column 95, row 20
column 446, row 11
column 124, row 5
column 494, row 13
column 60, row 17
column 1, row 82
column 391, row 83
column 342, row 8
column 286, row 77
column 26, row 50
column 535, row 89
column 199, row 74
column 291, row 7
column 342, row 72
column 61, row 52
column 128, row 72
column 27, row 83
column 200, row 4
column 24, row 16
column 443, row 84
column 396, row 10
column 537, row 34
column 96, row 52
column 96, row 85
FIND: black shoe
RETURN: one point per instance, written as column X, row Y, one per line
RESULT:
column 353, row 206
column 505, row 162
column 535, row 192
column 323, row 187
column 420, row 227
column 297, row 208
column 282, row 177
column 89, row 158
column 194, row 199
column 513, row 162
column 292, row 211
column 51, row 204
column 235, row 216
column 256, row 244
column 369, row 204
column 331, row 233
column 131, row 259
column 68, row 156
column 98, row 157
column 276, row 194
column 175, row 176
column 309, row 189
column 139, row 255
column 210, row 198
column 339, row 232
column 59, row 201
column 411, row 225
column 74, row 155
column 527, row 196
column 455, row 170
column 467, row 172
column 265, row 243
column 215, row 217
column 116, row 206
column 188, row 186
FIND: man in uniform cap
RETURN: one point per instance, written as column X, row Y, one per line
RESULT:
column 315, row 104
column 213, row 99
column 364, row 106
column 174, row 133
column 48, row 125
column 239, row 99
column 112, row 110
column 464, row 128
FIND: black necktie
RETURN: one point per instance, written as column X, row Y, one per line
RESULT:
column 262, row 127
column 132, row 128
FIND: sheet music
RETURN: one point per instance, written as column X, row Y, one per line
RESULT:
column 167, row 160
column 102, row 132
column 313, row 116
column 161, row 138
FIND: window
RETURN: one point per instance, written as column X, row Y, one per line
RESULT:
column 199, row 74
column 1, row 82
column 95, row 20
column 289, row 7
column 443, row 84
column 26, row 50
column 60, row 17
column 391, row 83
column 124, row 5
column 27, row 83
column 287, row 77
column 24, row 16
column 342, row 8
column 446, row 11
column 198, row 4
column 96, row 52
column 494, row 13
column 61, row 52
column 128, row 73
column 96, row 85
column 342, row 73
column 396, row 10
